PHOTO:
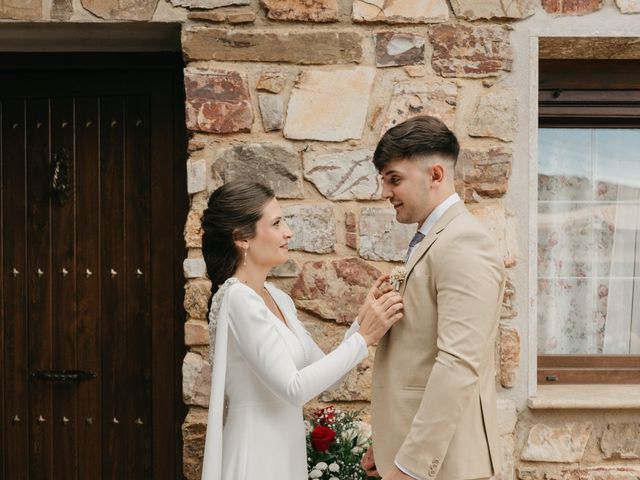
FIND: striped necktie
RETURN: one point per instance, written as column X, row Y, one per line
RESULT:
column 417, row 238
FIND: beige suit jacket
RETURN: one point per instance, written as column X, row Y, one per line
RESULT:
column 434, row 399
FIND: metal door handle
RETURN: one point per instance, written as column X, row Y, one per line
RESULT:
column 63, row 375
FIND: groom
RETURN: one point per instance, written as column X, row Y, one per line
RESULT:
column 434, row 400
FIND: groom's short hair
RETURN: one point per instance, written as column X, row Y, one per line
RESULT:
column 418, row 137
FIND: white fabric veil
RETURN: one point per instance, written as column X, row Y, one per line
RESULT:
column 218, row 334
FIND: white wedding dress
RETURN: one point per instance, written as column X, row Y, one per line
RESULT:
column 269, row 371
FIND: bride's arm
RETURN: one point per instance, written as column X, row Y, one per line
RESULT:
column 314, row 351
column 263, row 348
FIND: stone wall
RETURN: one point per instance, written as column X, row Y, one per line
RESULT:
column 297, row 93
column 299, row 98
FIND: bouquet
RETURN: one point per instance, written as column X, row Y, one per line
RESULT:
column 336, row 441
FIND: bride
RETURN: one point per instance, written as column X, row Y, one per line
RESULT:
column 265, row 364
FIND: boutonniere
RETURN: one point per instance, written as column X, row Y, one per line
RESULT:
column 397, row 277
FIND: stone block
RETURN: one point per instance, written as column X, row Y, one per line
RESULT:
column 486, row 171
column 305, row 11
column 196, row 299
column 621, row 440
column 271, row 81
column 507, row 464
column 329, row 105
column 507, row 416
column 508, row 309
column 288, row 269
column 566, row 443
column 196, row 176
column 241, row 17
column 313, row 227
column 119, row 10
column 196, row 332
column 21, row 10
column 413, row 98
column 194, row 430
column 202, row 4
column 496, row 116
column 229, row 45
column 351, row 225
column 381, row 236
column 602, row 472
column 509, row 355
column 415, row 11
column 196, row 380
column 356, row 386
column 61, row 10
column 334, row 289
column 272, row 111
column 217, row 101
column 194, row 268
column 470, row 51
column 492, row 215
column 488, row 9
column 212, row 17
column 343, row 174
column 628, row 6
column 416, row 71
column 399, row 48
column 277, row 166
column 193, row 230
column 572, row 7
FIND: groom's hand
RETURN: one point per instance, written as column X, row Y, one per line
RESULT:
column 396, row 474
column 369, row 463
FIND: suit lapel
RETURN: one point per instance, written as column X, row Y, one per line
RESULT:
column 423, row 247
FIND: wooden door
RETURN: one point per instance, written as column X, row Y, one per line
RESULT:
column 92, row 202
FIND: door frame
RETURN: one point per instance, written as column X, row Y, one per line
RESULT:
column 169, row 465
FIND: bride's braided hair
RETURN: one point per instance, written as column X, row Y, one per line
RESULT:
column 231, row 214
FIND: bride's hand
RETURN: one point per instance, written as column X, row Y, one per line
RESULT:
column 377, row 315
column 380, row 287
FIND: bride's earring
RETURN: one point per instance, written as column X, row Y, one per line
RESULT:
column 245, row 256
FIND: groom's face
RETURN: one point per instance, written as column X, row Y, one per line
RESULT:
column 408, row 185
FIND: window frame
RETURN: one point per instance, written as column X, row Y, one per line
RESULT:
column 593, row 94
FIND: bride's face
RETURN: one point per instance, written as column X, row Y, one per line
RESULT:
column 270, row 246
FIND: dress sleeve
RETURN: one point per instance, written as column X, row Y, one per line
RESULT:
column 265, row 351
column 311, row 347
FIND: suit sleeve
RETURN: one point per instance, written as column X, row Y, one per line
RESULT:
column 468, row 274
column 264, row 350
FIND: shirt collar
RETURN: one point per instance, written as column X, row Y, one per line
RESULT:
column 437, row 212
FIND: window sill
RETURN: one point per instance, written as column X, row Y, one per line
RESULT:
column 585, row 397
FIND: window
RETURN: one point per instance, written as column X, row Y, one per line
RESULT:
column 589, row 222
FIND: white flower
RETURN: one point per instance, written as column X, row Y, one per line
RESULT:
column 321, row 466
column 334, row 478
column 315, row 474
column 364, row 434
column 349, row 435
column 356, row 450
column 334, row 467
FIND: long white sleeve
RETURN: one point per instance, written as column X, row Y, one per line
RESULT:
column 264, row 350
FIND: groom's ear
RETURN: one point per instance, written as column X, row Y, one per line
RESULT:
column 437, row 173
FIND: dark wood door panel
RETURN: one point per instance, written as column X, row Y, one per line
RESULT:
column 16, row 420
column 98, row 281
column 41, row 279
column 88, row 274
column 138, row 282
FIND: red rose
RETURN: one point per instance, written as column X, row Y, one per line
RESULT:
column 322, row 437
